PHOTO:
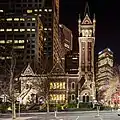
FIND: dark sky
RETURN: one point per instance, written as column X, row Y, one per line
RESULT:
column 107, row 22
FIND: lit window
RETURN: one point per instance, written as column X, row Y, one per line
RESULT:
column 45, row 10
column 21, row 30
column 1, row 29
column 33, row 29
column 49, row 29
column 45, row 28
column 28, row 29
column 35, row 14
column 9, row 19
column 15, row 29
column 16, row 19
column 9, row 30
column 2, row 41
column 21, row 41
column 40, row 10
column 29, row 11
column 28, row 19
column 22, row 19
column 8, row 57
column 9, row 41
column 2, row 58
column 1, row 10
column 50, row 10
column 19, row 47
column 15, row 41
column 33, row 18
column 35, row 10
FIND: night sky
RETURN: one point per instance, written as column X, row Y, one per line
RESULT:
column 107, row 22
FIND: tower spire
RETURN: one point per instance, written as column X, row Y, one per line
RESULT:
column 79, row 21
column 87, row 9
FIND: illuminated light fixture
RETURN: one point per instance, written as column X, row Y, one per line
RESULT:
column 109, row 49
column 16, row 19
column 22, row 19
column 33, row 18
column 33, row 30
column 16, row 30
column 9, row 30
column 45, row 10
column 35, row 14
column 45, row 28
column 44, row 39
column 100, row 52
column 2, row 30
column 1, row 10
column 40, row 15
column 50, row 10
column 9, row 19
column 40, row 10
column 60, row 25
column 35, row 10
column 28, row 29
column 29, row 11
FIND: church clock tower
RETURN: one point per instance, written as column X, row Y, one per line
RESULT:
column 86, row 39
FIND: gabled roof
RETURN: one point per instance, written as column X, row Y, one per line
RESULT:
column 28, row 71
column 57, row 69
column 86, row 20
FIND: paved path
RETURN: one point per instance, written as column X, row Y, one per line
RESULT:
column 82, row 115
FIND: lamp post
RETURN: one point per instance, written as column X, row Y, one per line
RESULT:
column 56, row 108
column 78, row 102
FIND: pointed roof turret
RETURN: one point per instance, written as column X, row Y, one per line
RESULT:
column 86, row 19
column 87, row 9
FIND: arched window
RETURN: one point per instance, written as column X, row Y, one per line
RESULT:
column 73, row 97
column 87, row 98
column 83, row 98
column 73, row 85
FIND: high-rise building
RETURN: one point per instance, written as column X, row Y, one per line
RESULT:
column 104, row 72
column 65, row 37
column 86, row 40
column 22, row 36
column 48, row 11
column 71, row 62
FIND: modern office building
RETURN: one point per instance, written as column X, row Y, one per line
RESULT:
column 104, row 72
column 71, row 62
column 66, row 38
column 48, row 11
column 22, row 38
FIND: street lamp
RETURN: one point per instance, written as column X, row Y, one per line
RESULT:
column 20, row 101
column 78, row 102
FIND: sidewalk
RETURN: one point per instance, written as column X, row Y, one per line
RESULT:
column 21, row 118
